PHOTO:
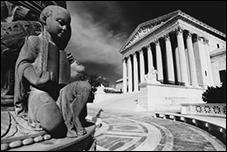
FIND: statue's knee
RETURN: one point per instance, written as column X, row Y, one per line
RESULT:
column 50, row 117
column 85, row 85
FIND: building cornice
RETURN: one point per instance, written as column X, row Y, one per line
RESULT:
column 200, row 24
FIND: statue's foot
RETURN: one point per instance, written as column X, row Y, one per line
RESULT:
column 25, row 117
column 81, row 132
column 71, row 133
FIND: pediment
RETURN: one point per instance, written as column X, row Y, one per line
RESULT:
column 142, row 32
column 146, row 28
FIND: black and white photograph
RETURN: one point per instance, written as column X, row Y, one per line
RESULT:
column 113, row 75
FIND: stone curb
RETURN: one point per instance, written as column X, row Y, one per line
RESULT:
column 213, row 128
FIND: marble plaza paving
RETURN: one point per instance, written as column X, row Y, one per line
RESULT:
column 141, row 131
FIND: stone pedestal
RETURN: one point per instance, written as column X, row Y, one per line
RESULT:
column 159, row 97
column 16, row 135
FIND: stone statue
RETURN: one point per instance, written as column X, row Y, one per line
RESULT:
column 151, row 77
column 42, row 93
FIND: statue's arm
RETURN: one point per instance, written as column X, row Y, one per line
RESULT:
column 32, row 77
column 29, row 53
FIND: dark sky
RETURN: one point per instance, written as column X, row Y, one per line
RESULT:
column 212, row 13
column 100, row 28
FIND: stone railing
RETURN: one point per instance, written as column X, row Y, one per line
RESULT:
column 209, row 125
column 216, row 109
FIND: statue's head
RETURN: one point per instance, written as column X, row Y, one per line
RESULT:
column 56, row 20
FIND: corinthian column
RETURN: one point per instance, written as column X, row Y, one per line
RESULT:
column 191, row 57
column 200, row 60
column 207, row 50
column 135, row 66
column 142, row 66
column 124, row 76
column 150, row 59
column 169, row 58
column 183, row 64
column 129, row 74
column 159, row 60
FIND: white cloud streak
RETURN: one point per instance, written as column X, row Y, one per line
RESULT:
column 75, row 68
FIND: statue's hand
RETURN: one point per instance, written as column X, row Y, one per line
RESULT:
column 44, row 80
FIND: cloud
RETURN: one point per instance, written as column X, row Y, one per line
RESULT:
column 75, row 68
column 97, row 34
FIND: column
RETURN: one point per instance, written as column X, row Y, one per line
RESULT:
column 142, row 66
column 135, row 66
column 206, row 71
column 159, row 60
column 203, row 61
column 191, row 57
column 129, row 74
column 169, row 59
column 199, row 56
column 177, row 56
column 183, row 64
column 210, row 74
column 124, row 76
column 150, row 59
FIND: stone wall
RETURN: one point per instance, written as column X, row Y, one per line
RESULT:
column 159, row 97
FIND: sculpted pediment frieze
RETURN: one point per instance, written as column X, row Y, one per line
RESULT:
column 142, row 32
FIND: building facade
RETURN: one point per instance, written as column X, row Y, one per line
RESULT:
column 119, row 84
column 176, row 52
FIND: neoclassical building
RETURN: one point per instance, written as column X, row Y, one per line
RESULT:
column 172, row 59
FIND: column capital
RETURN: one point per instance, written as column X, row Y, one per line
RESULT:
column 206, row 41
column 202, row 40
column 156, row 42
column 188, row 34
column 179, row 30
column 134, row 53
column 140, row 51
column 128, row 57
column 167, row 37
column 196, row 38
column 147, row 46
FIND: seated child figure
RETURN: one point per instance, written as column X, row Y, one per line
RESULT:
column 39, row 96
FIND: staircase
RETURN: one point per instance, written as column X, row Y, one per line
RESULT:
column 126, row 102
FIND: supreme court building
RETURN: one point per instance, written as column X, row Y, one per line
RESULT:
column 171, row 60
